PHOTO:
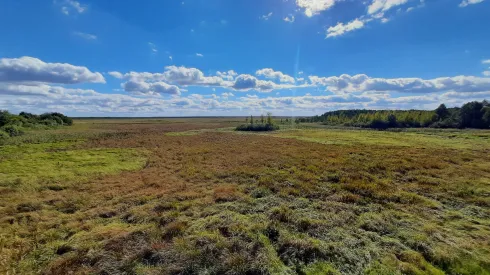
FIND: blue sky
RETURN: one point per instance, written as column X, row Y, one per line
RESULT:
column 241, row 57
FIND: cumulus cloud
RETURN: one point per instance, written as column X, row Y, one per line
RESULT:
column 485, row 61
column 342, row 28
column 229, row 75
column 41, row 98
column 86, row 36
column 30, row 69
column 469, row 2
column 313, row 7
column 384, row 5
column 43, row 90
column 271, row 74
column 227, row 95
column 246, row 82
column 178, row 76
column 140, row 87
column 190, row 76
column 169, row 81
column 359, row 83
column 199, row 55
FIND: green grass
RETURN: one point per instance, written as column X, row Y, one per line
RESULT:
column 460, row 139
column 33, row 165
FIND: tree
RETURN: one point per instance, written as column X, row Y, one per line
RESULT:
column 246, row 120
column 5, row 117
column 486, row 116
column 442, row 112
column 262, row 119
column 392, row 121
column 471, row 115
column 251, row 119
column 269, row 118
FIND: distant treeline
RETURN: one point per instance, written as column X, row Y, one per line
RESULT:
column 14, row 125
column 471, row 115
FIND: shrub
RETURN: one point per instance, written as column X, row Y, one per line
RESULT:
column 13, row 130
column 257, row 127
column 4, row 135
column 5, row 117
column 58, row 117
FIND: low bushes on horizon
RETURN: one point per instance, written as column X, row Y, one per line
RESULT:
column 14, row 125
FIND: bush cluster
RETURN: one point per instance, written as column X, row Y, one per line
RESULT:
column 262, row 125
column 471, row 115
column 14, row 125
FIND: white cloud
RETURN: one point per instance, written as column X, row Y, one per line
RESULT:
column 116, row 74
column 227, row 95
column 469, row 2
column 30, row 69
column 271, row 74
column 266, row 16
column 289, row 18
column 86, row 36
column 199, row 55
column 190, row 76
column 42, row 98
column 384, row 5
column 72, row 6
column 141, row 87
column 385, row 20
column 342, row 28
column 361, row 83
column 229, row 75
column 246, row 82
column 153, row 47
column 313, row 7
column 486, row 73
column 180, row 76
column 485, row 61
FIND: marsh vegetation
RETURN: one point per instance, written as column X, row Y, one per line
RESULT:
column 193, row 196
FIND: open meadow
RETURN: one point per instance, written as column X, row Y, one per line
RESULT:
column 193, row 196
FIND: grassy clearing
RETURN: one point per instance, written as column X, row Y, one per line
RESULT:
column 218, row 202
column 35, row 165
column 457, row 139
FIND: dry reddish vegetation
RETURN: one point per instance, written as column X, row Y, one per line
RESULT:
column 226, row 203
